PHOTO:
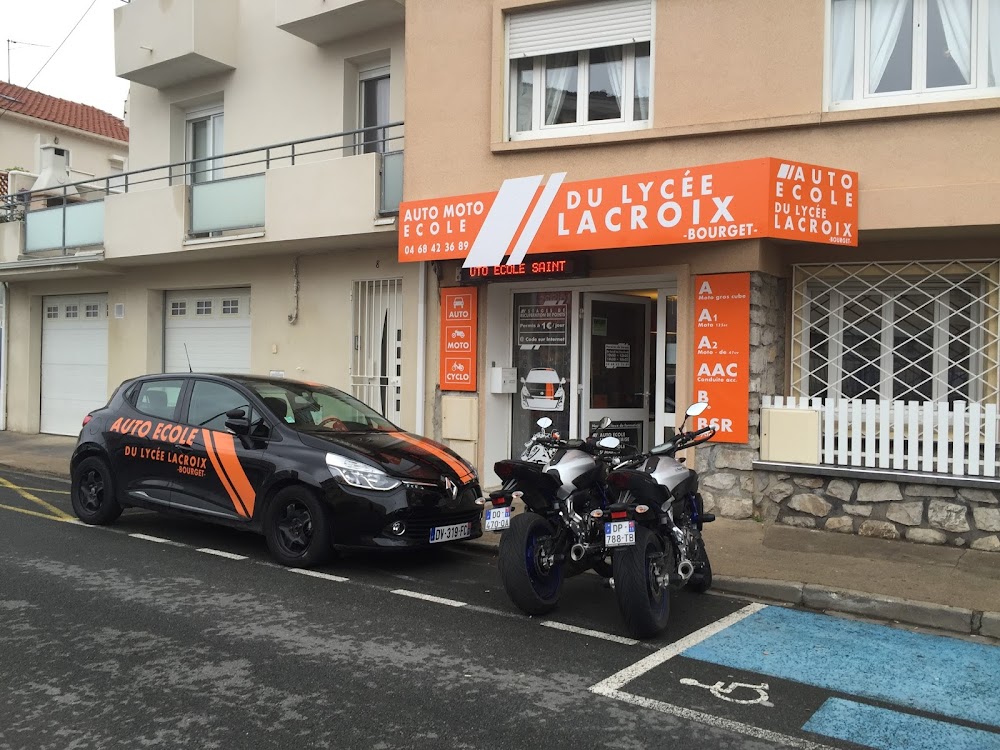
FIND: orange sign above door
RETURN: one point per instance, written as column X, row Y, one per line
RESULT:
column 735, row 200
column 722, row 354
column 458, row 339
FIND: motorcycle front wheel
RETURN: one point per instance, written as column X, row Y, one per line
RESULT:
column 531, row 578
column 638, row 570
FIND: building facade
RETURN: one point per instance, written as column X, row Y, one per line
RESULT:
column 254, row 230
column 789, row 209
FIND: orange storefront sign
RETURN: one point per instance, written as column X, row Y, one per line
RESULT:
column 736, row 200
column 458, row 339
column 722, row 354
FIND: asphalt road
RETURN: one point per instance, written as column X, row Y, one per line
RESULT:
column 160, row 632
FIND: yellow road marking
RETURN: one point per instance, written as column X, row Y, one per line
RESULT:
column 61, row 519
column 32, row 498
column 42, row 489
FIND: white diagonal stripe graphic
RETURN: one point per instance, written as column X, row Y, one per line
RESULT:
column 784, row 170
column 535, row 220
column 502, row 221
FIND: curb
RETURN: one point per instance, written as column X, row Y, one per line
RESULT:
column 826, row 599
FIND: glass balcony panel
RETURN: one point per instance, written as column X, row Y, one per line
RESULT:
column 227, row 204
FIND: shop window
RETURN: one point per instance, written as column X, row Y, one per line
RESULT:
column 885, row 52
column 908, row 332
column 579, row 69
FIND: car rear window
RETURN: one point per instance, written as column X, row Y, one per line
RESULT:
column 158, row 398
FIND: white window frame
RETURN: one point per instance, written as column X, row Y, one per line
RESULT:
column 582, row 126
column 199, row 115
column 979, row 88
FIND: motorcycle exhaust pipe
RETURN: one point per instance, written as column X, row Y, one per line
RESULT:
column 577, row 551
column 685, row 570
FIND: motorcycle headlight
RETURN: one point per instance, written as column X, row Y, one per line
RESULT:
column 357, row 474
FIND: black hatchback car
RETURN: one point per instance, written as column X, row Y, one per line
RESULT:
column 308, row 466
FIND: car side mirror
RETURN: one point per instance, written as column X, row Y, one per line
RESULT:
column 237, row 422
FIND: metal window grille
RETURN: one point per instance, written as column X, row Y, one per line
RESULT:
column 377, row 362
column 203, row 307
column 917, row 331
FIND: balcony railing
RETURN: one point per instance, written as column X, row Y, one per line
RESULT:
column 225, row 193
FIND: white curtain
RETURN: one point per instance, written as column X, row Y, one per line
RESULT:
column 615, row 71
column 886, row 20
column 956, row 16
column 842, row 77
column 994, row 42
column 559, row 73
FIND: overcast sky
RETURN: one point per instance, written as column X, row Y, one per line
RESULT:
column 83, row 70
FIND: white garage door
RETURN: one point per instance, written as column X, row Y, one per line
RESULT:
column 214, row 324
column 74, row 360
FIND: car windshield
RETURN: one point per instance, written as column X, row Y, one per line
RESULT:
column 318, row 408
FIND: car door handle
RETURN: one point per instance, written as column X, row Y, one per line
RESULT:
column 182, row 447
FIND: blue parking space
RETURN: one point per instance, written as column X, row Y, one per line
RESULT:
column 942, row 678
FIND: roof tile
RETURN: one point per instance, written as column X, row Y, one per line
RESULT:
column 62, row 112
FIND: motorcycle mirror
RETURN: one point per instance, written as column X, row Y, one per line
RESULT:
column 697, row 409
column 605, row 422
column 609, row 442
column 544, row 423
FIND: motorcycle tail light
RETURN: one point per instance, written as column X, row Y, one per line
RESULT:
column 619, row 514
column 497, row 501
column 618, row 480
column 504, row 470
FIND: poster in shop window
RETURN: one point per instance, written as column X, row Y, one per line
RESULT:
column 542, row 358
column 722, row 354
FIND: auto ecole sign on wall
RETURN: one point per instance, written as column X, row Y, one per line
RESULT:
column 722, row 354
column 458, row 339
column 736, row 200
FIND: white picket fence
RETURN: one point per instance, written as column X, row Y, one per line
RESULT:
column 926, row 436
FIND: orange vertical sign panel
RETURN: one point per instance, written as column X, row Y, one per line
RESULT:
column 722, row 354
column 458, row 339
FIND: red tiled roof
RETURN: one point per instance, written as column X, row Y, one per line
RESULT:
column 70, row 114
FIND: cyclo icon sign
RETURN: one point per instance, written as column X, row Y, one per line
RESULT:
column 458, row 339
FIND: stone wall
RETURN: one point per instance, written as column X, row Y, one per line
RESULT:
column 923, row 513
column 725, row 470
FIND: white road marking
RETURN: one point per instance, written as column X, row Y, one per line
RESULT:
column 591, row 633
column 314, row 574
column 158, row 540
column 220, row 553
column 428, row 598
column 618, row 680
column 723, row 692
column 775, row 738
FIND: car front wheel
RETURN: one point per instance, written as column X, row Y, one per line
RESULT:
column 297, row 528
column 93, row 492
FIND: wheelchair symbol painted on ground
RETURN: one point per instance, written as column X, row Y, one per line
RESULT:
column 725, row 692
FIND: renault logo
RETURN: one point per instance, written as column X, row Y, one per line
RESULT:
column 450, row 487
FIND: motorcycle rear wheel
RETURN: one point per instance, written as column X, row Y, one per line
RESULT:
column 531, row 583
column 644, row 602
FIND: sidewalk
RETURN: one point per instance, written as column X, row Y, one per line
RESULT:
column 940, row 587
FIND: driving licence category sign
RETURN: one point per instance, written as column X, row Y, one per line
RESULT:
column 458, row 338
column 749, row 199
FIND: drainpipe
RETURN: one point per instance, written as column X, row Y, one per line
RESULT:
column 421, row 345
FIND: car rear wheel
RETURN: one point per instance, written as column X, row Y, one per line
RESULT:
column 297, row 528
column 93, row 492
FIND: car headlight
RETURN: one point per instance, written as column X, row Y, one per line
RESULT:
column 357, row 474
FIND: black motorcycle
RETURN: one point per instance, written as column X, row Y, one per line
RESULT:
column 654, row 531
column 561, row 533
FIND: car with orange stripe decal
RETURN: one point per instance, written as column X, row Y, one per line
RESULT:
column 308, row 466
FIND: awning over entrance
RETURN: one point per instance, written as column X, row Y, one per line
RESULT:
column 750, row 199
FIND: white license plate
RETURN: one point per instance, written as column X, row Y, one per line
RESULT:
column 619, row 533
column 451, row 533
column 497, row 519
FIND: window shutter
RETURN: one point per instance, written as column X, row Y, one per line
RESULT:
column 584, row 26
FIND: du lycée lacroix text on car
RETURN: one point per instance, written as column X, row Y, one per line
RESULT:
column 309, row 467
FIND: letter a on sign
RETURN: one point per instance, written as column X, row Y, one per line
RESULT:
column 705, row 288
column 705, row 314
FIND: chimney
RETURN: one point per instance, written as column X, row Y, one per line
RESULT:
column 54, row 172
